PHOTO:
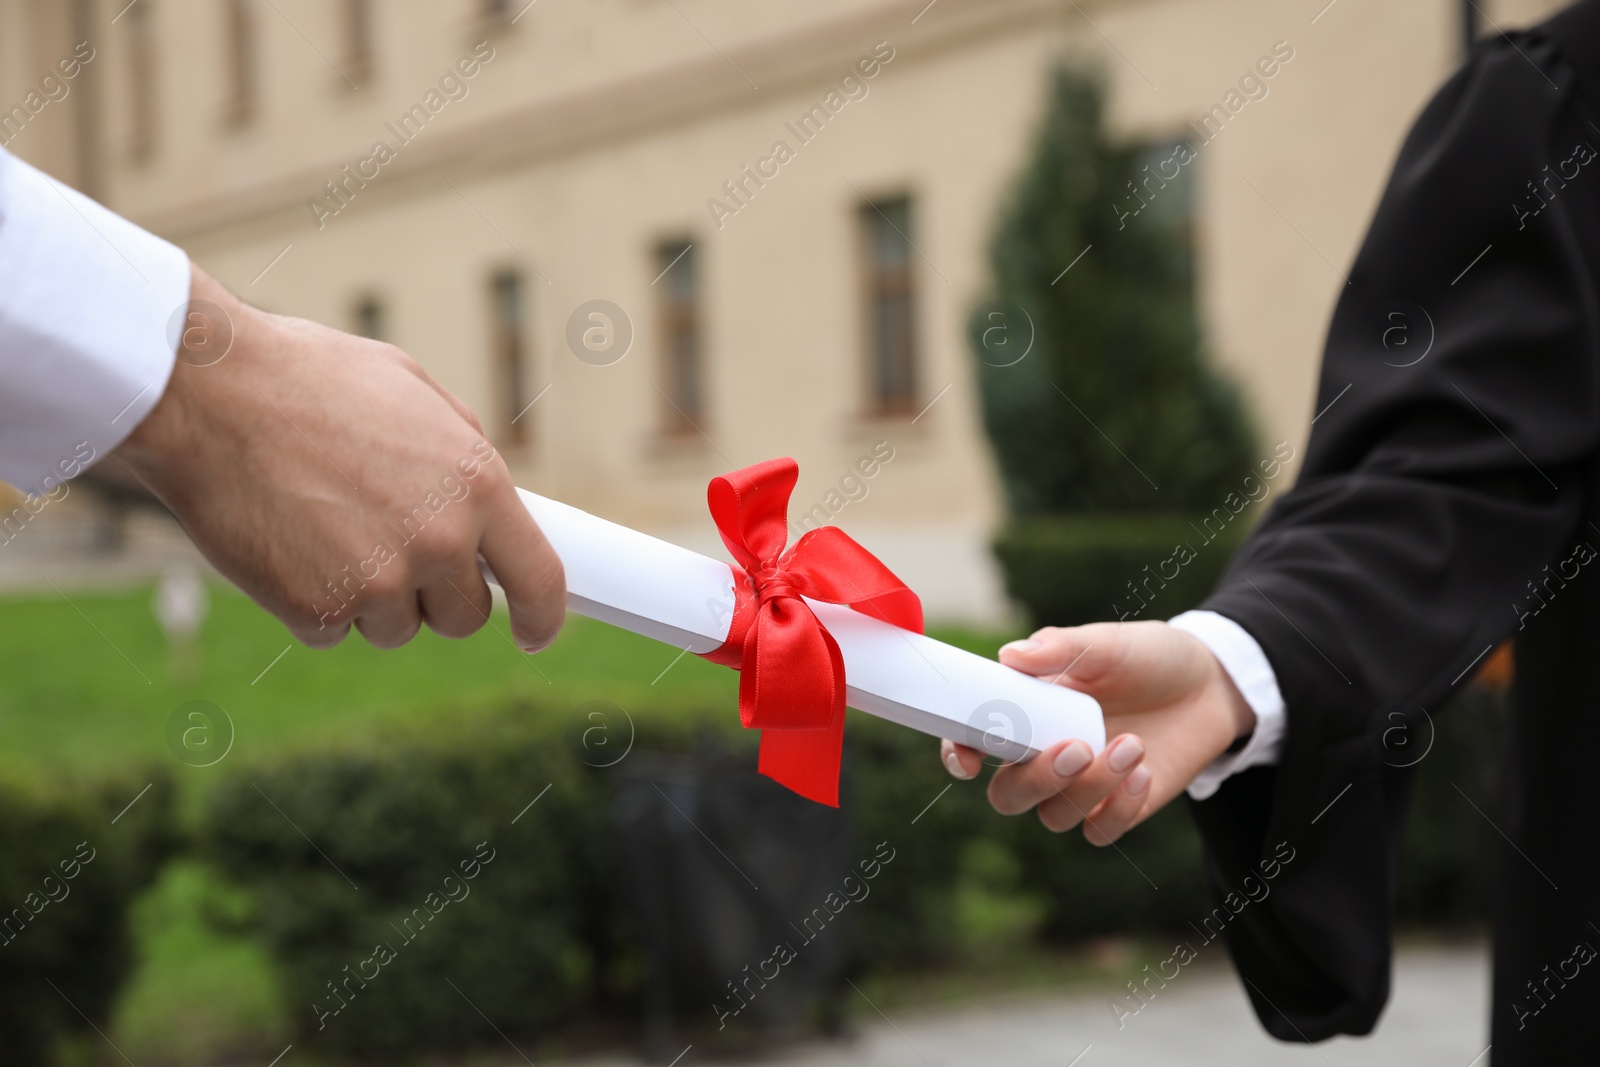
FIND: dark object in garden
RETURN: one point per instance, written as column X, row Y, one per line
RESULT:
column 724, row 866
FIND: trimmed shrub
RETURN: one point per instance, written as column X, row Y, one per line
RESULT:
column 1068, row 571
column 406, row 885
column 340, row 848
column 910, row 919
column 1152, row 881
column 73, row 857
column 1113, row 410
column 1451, row 852
column 1116, row 350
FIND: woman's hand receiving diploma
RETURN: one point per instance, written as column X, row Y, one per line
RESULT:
column 1170, row 710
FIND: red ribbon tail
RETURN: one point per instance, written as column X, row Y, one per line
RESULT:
column 806, row 761
column 791, row 687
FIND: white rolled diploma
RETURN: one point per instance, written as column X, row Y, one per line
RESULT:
column 668, row 593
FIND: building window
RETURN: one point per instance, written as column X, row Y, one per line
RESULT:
column 508, row 346
column 240, row 18
column 890, row 306
column 371, row 321
column 141, row 82
column 678, row 303
column 1162, row 190
column 358, row 44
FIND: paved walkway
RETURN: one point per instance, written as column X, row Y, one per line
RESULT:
column 1437, row 1016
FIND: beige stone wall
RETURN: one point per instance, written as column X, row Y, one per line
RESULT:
column 600, row 128
column 34, row 37
column 1289, row 184
column 782, row 292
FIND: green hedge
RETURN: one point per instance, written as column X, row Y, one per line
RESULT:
column 73, row 856
column 338, row 847
column 1451, row 852
column 1066, row 571
column 399, row 880
column 910, row 918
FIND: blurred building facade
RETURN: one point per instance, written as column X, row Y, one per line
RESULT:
column 652, row 240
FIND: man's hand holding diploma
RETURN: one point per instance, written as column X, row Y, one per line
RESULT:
column 293, row 456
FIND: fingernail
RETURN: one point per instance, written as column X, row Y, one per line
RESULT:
column 1073, row 759
column 1138, row 781
column 1125, row 754
column 1027, row 644
column 952, row 763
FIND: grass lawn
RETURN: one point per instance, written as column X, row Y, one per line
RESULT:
column 89, row 683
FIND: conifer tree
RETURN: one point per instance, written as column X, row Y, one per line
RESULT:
column 1114, row 407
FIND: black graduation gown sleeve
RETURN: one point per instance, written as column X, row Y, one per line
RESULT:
column 1430, row 495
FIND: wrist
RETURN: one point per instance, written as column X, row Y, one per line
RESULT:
column 1240, row 716
column 169, row 432
column 1228, row 717
column 1227, row 709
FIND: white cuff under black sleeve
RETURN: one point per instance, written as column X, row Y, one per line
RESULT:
column 86, row 298
column 1247, row 665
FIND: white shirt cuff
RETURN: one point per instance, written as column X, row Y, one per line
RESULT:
column 1247, row 665
column 86, row 299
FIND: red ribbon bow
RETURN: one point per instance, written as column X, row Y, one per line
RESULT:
column 791, row 676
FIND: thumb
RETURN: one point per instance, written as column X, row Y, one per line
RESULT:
column 1085, row 658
